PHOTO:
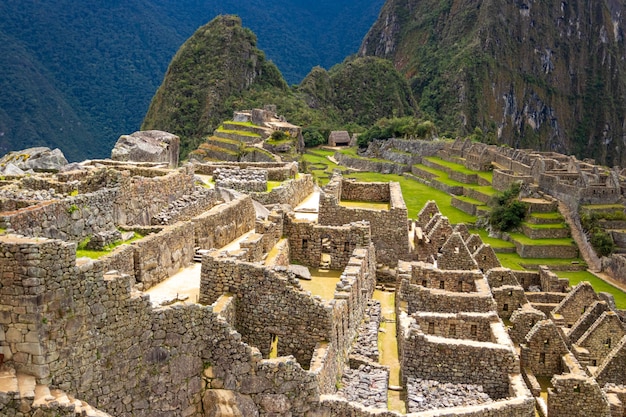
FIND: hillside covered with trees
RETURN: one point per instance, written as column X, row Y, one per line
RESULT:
column 77, row 75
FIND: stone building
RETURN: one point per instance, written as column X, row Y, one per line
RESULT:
column 109, row 337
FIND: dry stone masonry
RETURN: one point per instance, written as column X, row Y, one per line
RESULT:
column 474, row 339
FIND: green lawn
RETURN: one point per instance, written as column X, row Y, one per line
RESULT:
column 514, row 261
column 416, row 195
column 598, row 285
column 546, row 226
column 95, row 254
column 555, row 215
column 239, row 132
column 452, row 165
column 519, row 237
column 494, row 242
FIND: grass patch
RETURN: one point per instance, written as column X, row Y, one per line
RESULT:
column 451, row 165
column 514, row 261
column 546, row 226
column 493, row 241
column 486, row 175
column 81, row 252
column 555, row 215
column 241, row 123
column 598, row 285
column 238, row 132
column 273, row 184
column 519, row 237
column 416, row 195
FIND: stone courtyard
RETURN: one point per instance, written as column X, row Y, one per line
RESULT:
column 195, row 303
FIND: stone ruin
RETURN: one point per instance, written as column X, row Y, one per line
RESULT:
column 241, row 336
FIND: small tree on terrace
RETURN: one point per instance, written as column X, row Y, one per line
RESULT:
column 507, row 212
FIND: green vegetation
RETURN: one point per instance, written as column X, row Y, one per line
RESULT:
column 273, row 184
column 238, row 132
column 600, row 239
column 507, row 211
column 399, row 127
column 598, row 285
column 82, row 252
column 521, row 238
column 416, row 195
column 514, row 261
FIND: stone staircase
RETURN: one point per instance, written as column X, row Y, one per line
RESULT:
column 21, row 392
column 199, row 253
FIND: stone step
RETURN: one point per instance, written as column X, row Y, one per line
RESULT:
column 26, row 384
column 25, row 388
column 8, row 381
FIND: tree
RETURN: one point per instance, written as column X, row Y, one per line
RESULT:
column 507, row 212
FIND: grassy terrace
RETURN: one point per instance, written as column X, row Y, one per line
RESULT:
column 417, row 194
column 550, row 216
column 521, row 238
column 81, row 252
column 597, row 284
column 546, row 226
column 452, row 165
column 241, row 123
column 516, row 262
column 238, row 132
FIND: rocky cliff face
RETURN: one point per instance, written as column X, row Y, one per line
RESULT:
column 546, row 75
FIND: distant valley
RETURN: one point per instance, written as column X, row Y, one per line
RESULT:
column 77, row 75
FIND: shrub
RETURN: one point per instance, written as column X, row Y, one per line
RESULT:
column 507, row 211
column 312, row 137
column 602, row 243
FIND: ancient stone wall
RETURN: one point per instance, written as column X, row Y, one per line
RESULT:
column 389, row 227
column 576, row 303
column 360, row 191
column 426, row 299
column 615, row 266
column 336, row 406
column 459, row 361
column 470, row 326
column 307, row 242
column 246, row 180
column 576, row 394
column 503, row 179
column 142, row 197
column 364, row 164
column 188, row 206
column 224, row 223
column 602, row 337
column 89, row 334
column 291, row 192
column 545, row 251
column 276, row 171
column 508, row 299
column 428, row 276
column 72, row 218
column 159, row 256
column 312, row 331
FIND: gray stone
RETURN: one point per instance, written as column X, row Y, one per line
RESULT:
column 300, row 271
column 37, row 159
column 147, row 146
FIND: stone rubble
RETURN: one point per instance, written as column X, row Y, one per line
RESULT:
column 367, row 341
column 430, row 395
column 367, row 385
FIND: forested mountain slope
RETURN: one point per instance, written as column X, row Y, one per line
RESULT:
column 90, row 67
column 545, row 75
